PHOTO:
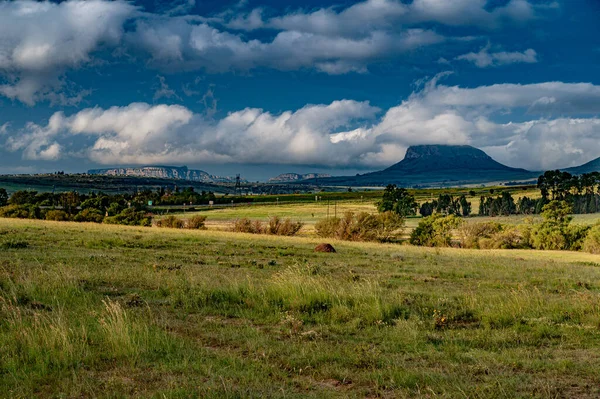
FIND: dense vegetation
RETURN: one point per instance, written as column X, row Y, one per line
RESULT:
column 128, row 209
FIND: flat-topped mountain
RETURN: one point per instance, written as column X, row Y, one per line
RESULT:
column 164, row 172
column 443, row 165
column 294, row 177
column 424, row 159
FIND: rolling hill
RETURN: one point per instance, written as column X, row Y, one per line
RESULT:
column 592, row 166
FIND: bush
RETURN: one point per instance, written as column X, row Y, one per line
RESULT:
column 57, row 215
column 171, row 222
column 15, row 211
column 390, row 226
column 435, row 231
column 130, row 217
column 196, row 222
column 245, row 225
column 327, row 227
column 286, row 227
column 364, row 226
column 592, row 241
column 472, row 233
column 556, row 232
column 89, row 215
column 511, row 237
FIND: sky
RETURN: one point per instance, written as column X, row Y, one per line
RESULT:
column 262, row 87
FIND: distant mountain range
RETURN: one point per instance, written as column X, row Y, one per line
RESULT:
column 422, row 166
column 295, row 177
column 164, row 172
column 437, row 165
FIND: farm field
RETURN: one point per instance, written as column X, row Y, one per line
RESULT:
column 311, row 212
column 113, row 311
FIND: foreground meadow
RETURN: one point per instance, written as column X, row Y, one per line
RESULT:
column 112, row 311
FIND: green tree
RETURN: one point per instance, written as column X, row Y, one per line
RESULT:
column 465, row 206
column 22, row 197
column 435, row 231
column 555, row 232
column 3, row 197
column 397, row 200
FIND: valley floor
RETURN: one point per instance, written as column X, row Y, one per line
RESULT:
column 112, row 311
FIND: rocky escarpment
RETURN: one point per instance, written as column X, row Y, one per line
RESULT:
column 164, row 172
column 292, row 177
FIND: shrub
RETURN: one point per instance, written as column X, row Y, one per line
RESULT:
column 364, row 226
column 57, row 215
column 130, row 217
column 286, row 227
column 196, row 222
column 511, row 237
column 546, row 237
column 555, row 232
column 592, row 241
column 390, row 226
column 245, row 225
column 89, row 215
column 435, row 231
column 171, row 222
column 472, row 233
column 576, row 236
column 327, row 227
column 15, row 211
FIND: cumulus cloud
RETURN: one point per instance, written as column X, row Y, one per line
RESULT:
column 182, row 45
column 141, row 133
column 549, row 144
column 341, row 134
column 41, row 40
column 117, row 131
column 484, row 58
column 369, row 15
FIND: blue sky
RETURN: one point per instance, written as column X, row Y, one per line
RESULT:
column 265, row 87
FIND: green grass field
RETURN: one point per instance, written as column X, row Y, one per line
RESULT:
column 311, row 212
column 112, row 311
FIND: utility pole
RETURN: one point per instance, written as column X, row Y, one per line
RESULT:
column 238, row 185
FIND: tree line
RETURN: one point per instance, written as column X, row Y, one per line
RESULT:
column 99, row 207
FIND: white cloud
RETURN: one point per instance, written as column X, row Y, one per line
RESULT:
column 366, row 16
column 484, row 58
column 341, row 134
column 118, row 131
column 182, row 45
column 471, row 12
column 41, row 40
column 555, row 98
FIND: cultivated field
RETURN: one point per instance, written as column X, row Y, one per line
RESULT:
column 113, row 311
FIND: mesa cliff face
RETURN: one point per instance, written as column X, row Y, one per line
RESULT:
column 293, row 177
column 164, row 172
